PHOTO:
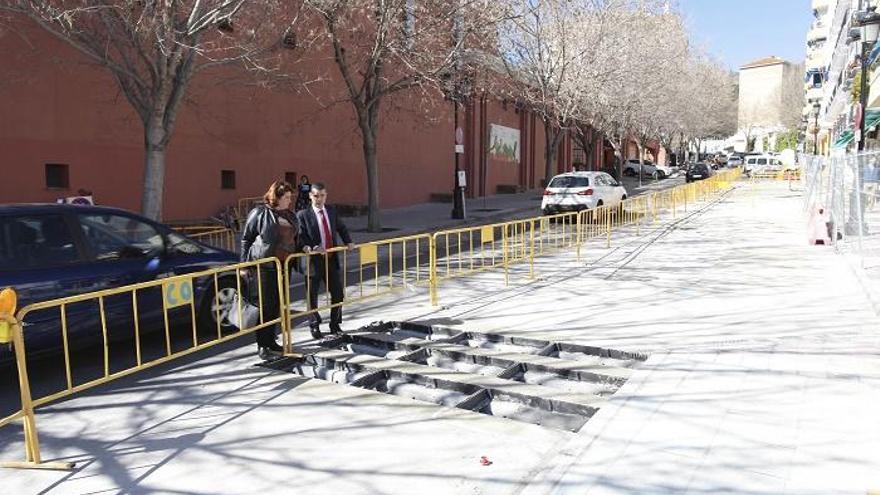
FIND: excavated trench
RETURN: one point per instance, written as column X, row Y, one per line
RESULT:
column 552, row 384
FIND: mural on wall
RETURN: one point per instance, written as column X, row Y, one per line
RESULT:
column 505, row 143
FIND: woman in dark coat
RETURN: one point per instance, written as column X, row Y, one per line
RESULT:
column 270, row 231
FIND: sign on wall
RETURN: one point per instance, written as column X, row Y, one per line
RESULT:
column 504, row 143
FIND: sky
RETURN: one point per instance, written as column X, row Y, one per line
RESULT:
column 737, row 32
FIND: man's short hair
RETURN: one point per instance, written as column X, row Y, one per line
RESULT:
column 319, row 186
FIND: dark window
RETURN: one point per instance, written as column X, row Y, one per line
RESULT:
column 227, row 179
column 114, row 237
column 290, row 178
column 569, row 181
column 36, row 242
column 57, row 176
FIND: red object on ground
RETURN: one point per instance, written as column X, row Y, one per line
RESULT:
column 485, row 461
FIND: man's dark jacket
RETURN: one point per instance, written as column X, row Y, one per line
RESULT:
column 310, row 229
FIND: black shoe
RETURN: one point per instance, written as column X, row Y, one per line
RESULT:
column 335, row 328
column 316, row 331
column 274, row 347
column 267, row 354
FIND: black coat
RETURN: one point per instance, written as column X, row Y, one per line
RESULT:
column 260, row 234
column 310, row 229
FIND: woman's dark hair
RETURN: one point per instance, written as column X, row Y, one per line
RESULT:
column 277, row 191
column 304, row 179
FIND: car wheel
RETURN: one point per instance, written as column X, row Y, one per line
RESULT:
column 220, row 306
column 661, row 175
column 629, row 172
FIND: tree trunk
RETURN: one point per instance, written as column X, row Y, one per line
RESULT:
column 552, row 138
column 617, row 144
column 368, row 124
column 641, row 150
column 154, row 169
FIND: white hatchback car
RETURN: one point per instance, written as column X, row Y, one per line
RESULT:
column 577, row 191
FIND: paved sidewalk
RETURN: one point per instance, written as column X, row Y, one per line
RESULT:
column 762, row 379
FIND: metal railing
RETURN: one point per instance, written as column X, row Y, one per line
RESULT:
column 195, row 311
column 245, row 205
column 846, row 188
column 368, row 271
column 212, row 235
column 179, row 322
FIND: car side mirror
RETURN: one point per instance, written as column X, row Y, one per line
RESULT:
column 153, row 264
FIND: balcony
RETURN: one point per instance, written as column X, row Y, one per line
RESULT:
column 816, row 60
column 815, row 93
column 818, row 31
column 820, row 5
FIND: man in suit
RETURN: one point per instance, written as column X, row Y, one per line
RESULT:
column 321, row 229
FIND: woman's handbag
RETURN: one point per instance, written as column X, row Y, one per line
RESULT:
column 243, row 314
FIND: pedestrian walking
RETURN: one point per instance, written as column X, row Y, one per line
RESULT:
column 302, row 197
column 320, row 231
column 271, row 230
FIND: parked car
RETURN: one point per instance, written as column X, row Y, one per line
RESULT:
column 577, row 191
column 734, row 161
column 631, row 168
column 50, row 251
column 698, row 171
column 762, row 164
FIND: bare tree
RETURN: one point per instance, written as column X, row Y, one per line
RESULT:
column 555, row 53
column 383, row 48
column 154, row 49
column 649, row 47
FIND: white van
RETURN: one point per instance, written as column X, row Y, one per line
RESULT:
column 762, row 163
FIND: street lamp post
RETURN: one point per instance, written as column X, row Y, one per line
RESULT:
column 869, row 22
column 816, row 108
column 458, row 208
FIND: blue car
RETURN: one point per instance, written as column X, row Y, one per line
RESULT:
column 50, row 251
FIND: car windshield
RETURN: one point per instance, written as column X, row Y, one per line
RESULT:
column 116, row 236
column 570, row 181
column 700, row 167
column 181, row 244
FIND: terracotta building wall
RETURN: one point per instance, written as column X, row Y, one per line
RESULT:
column 66, row 111
column 63, row 110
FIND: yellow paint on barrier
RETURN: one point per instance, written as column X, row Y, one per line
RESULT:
column 369, row 254
column 487, row 234
column 177, row 293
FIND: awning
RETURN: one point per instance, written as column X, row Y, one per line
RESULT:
column 872, row 119
column 844, row 139
column 874, row 54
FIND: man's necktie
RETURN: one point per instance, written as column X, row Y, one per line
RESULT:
column 325, row 227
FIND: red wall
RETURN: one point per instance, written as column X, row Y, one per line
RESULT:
column 62, row 110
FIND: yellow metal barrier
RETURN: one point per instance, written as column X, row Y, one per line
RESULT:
column 381, row 267
column 212, row 235
column 184, row 325
column 221, row 238
column 245, row 205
